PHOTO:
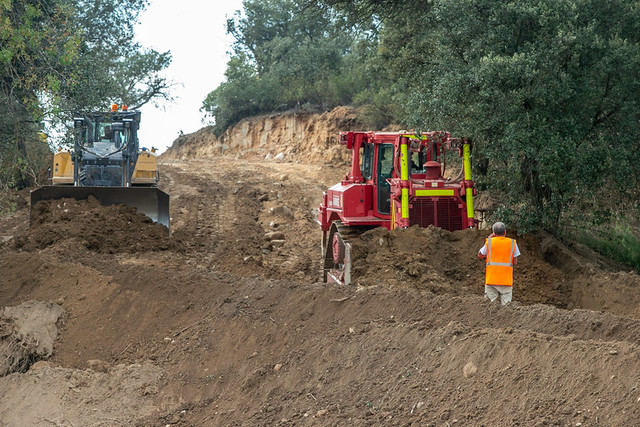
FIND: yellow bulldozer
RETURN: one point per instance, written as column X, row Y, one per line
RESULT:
column 108, row 164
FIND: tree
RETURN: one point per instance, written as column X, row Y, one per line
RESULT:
column 243, row 94
column 548, row 89
column 59, row 56
column 288, row 53
column 111, row 66
column 37, row 40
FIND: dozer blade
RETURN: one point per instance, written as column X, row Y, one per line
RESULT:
column 150, row 201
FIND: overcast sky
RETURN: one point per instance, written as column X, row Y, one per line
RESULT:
column 194, row 32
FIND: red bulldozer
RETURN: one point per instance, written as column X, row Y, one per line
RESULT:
column 397, row 179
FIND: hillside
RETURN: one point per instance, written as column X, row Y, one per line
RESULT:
column 308, row 136
column 221, row 323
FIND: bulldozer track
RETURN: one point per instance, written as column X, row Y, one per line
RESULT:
column 347, row 234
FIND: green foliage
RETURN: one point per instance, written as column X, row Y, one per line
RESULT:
column 287, row 54
column 618, row 243
column 34, row 43
column 242, row 95
column 549, row 90
column 111, row 66
column 25, row 165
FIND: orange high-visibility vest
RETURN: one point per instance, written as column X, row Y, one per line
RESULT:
column 499, row 270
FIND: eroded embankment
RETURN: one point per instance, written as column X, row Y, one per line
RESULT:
column 309, row 137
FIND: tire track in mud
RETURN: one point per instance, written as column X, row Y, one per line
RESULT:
column 240, row 208
column 216, row 219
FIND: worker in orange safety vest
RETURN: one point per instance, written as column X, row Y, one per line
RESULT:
column 501, row 254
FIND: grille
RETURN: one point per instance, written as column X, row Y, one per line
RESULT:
column 443, row 212
column 101, row 175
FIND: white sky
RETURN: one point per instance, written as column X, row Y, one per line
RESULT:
column 195, row 33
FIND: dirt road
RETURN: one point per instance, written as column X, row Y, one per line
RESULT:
column 224, row 322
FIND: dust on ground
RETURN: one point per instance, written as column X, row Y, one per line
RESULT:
column 225, row 323
column 49, row 395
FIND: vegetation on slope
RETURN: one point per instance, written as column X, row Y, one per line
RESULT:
column 291, row 54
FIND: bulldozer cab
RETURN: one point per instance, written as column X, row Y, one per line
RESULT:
column 103, row 136
column 376, row 167
column 380, row 163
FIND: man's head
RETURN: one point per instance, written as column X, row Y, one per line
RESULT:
column 499, row 229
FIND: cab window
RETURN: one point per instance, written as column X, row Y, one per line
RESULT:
column 417, row 161
column 385, row 170
column 366, row 162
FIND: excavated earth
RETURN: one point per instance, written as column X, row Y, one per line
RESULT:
column 224, row 322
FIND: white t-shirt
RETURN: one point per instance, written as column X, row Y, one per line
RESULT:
column 483, row 251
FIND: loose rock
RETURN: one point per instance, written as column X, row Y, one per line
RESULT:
column 469, row 370
column 274, row 235
column 282, row 211
column 278, row 243
column 98, row 365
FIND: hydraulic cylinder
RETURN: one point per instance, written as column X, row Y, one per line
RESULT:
column 466, row 153
column 404, row 177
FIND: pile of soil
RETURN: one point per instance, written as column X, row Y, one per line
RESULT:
column 103, row 229
column 441, row 261
column 423, row 258
column 445, row 262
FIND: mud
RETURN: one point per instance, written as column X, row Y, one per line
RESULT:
column 225, row 323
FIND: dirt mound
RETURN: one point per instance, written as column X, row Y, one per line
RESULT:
column 445, row 262
column 424, row 258
column 236, row 330
column 27, row 334
column 105, row 229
